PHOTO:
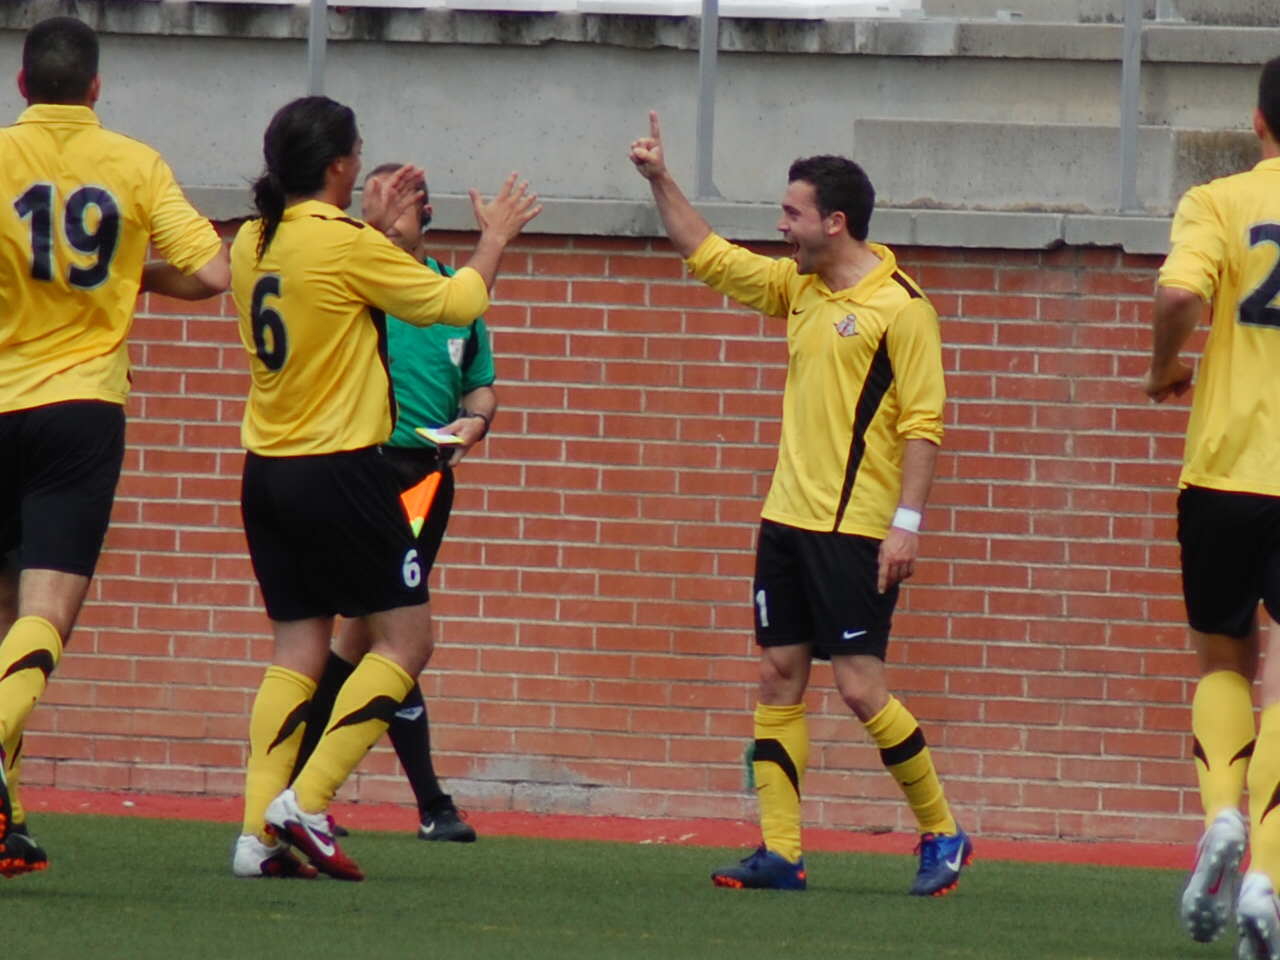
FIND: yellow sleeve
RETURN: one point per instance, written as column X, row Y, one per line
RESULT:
column 752, row 279
column 181, row 235
column 1198, row 245
column 385, row 276
column 915, row 352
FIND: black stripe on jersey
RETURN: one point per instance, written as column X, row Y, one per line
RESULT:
column 904, row 751
column 772, row 751
column 874, row 387
column 347, row 220
column 908, row 286
column 379, row 318
column 472, row 349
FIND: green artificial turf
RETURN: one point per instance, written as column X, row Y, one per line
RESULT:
column 140, row 889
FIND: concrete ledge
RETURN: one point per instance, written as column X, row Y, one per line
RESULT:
column 756, row 221
column 1181, row 43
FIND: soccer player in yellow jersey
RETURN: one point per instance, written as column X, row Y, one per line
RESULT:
column 861, row 423
column 81, row 205
column 1225, row 250
column 322, row 513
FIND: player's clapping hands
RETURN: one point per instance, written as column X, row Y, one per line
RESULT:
column 386, row 198
column 646, row 153
column 507, row 213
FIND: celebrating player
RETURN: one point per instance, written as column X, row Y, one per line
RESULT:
column 1224, row 242
column 861, row 424
column 443, row 378
column 81, row 207
column 326, row 530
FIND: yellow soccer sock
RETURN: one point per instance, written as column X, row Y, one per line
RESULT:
column 1223, row 731
column 1264, row 797
column 361, row 714
column 28, row 655
column 906, row 756
column 275, row 732
column 12, row 774
column 778, row 760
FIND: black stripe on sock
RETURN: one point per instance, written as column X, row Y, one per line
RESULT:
column 1197, row 751
column 379, row 708
column 772, row 751
column 296, row 718
column 1244, row 753
column 41, row 660
column 1271, row 804
column 905, row 750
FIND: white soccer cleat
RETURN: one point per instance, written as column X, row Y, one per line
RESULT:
column 1258, row 917
column 253, row 858
column 1210, row 892
column 312, row 834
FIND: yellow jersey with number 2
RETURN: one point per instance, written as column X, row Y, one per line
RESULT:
column 1225, row 246
column 313, row 318
column 81, row 205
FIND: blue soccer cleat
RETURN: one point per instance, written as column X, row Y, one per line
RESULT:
column 763, row 870
column 942, row 855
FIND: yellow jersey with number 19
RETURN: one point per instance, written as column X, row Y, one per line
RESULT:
column 81, row 205
column 313, row 318
column 1225, row 246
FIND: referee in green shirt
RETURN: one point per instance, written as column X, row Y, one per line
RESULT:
column 443, row 379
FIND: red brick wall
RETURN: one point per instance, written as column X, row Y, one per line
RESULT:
column 595, row 632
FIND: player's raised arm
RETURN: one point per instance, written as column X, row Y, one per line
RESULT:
column 500, row 220
column 686, row 228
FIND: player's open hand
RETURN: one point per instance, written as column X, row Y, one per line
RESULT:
column 385, row 199
column 1173, row 382
column 646, row 153
column 507, row 213
column 898, row 552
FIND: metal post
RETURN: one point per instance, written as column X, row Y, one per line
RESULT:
column 317, row 36
column 1130, row 91
column 708, row 48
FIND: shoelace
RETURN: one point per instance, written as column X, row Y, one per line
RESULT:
column 929, row 849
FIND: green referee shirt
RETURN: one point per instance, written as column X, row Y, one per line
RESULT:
column 432, row 368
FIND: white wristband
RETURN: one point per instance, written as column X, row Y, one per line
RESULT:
column 907, row 519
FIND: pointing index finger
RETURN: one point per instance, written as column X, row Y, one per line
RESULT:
column 653, row 125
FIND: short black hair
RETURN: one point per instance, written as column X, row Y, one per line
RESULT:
column 1269, row 96
column 838, row 184
column 60, row 60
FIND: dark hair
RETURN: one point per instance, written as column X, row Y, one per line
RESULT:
column 60, row 60
column 385, row 169
column 302, row 139
column 838, row 184
column 1269, row 96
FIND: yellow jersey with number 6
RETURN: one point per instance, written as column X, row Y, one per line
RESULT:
column 313, row 318
column 81, row 205
column 1225, row 246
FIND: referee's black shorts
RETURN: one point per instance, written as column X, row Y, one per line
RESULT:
column 59, row 466
column 328, row 535
column 820, row 588
column 1230, row 558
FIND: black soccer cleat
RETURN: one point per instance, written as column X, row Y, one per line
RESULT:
column 446, row 823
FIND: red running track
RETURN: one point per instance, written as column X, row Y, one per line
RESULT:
column 701, row 833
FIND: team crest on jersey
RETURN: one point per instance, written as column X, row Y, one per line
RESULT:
column 456, row 349
column 848, row 327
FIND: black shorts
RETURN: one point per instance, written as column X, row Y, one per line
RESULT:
column 820, row 587
column 1230, row 558
column 328, row 535
column 411, row 466
column 59, row 466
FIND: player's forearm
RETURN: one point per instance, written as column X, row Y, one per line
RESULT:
column 487, row 257
column 919, row 460
column 1174, row 319
column 209, row 281
column 686, row 228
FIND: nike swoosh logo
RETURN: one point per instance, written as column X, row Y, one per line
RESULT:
column 794, row 312
column 851, row 634
column 430, row 829
column 915, row 781
column 410, row 713
column 323, row 844
column 956, row 863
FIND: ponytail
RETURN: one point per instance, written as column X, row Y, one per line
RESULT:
column 302, row 140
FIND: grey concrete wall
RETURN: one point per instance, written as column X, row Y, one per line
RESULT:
column 472, row 96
